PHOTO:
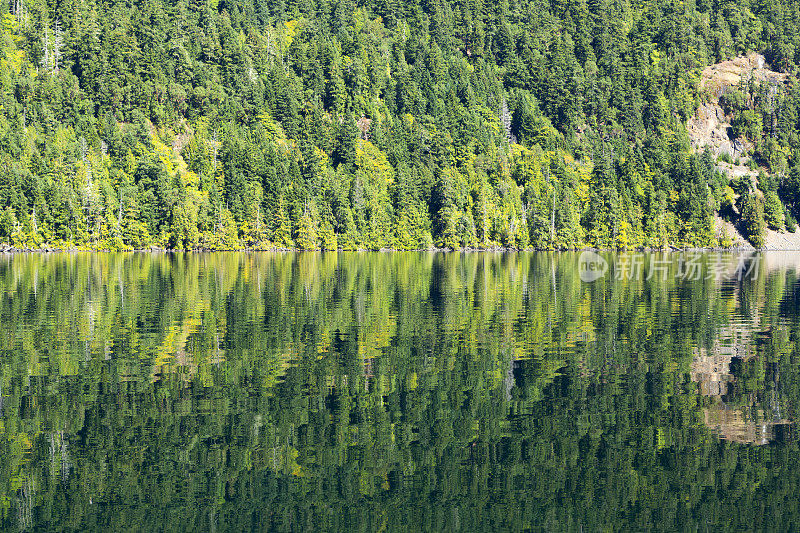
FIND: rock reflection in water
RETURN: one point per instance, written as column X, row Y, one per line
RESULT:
column 730, row 416
column 737, row 424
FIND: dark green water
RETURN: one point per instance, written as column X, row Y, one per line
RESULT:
column 394, row 392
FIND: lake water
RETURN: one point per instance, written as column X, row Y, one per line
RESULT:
column 399, row 391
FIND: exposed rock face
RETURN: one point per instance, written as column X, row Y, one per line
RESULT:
column 775, row 240
column 716, row 78
column 709, row 126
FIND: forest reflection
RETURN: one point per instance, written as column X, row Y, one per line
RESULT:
column 360, row 391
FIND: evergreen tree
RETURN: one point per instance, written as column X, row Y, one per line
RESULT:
column 752, row 221
column 459, row 123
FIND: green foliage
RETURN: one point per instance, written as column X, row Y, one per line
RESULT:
column 732, row 100
column 307, row 229
column 789, row 189
column 747, row 124
column 441, row 124
column 791, row 222
column 8, row 223
column 773, row 211
column 752, row 223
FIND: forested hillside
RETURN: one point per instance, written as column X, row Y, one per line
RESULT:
column 225, row 124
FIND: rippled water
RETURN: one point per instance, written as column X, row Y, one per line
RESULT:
column 399, row 391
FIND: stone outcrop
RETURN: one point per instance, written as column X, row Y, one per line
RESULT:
column 710, row 127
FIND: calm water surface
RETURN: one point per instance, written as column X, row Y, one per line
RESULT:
column 394, row 392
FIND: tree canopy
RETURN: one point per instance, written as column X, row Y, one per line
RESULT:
column 455, row 123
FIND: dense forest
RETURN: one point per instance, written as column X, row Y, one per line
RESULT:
column 228, row 124
column 411, row 391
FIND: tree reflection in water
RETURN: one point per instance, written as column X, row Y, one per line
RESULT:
column 367, row 391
